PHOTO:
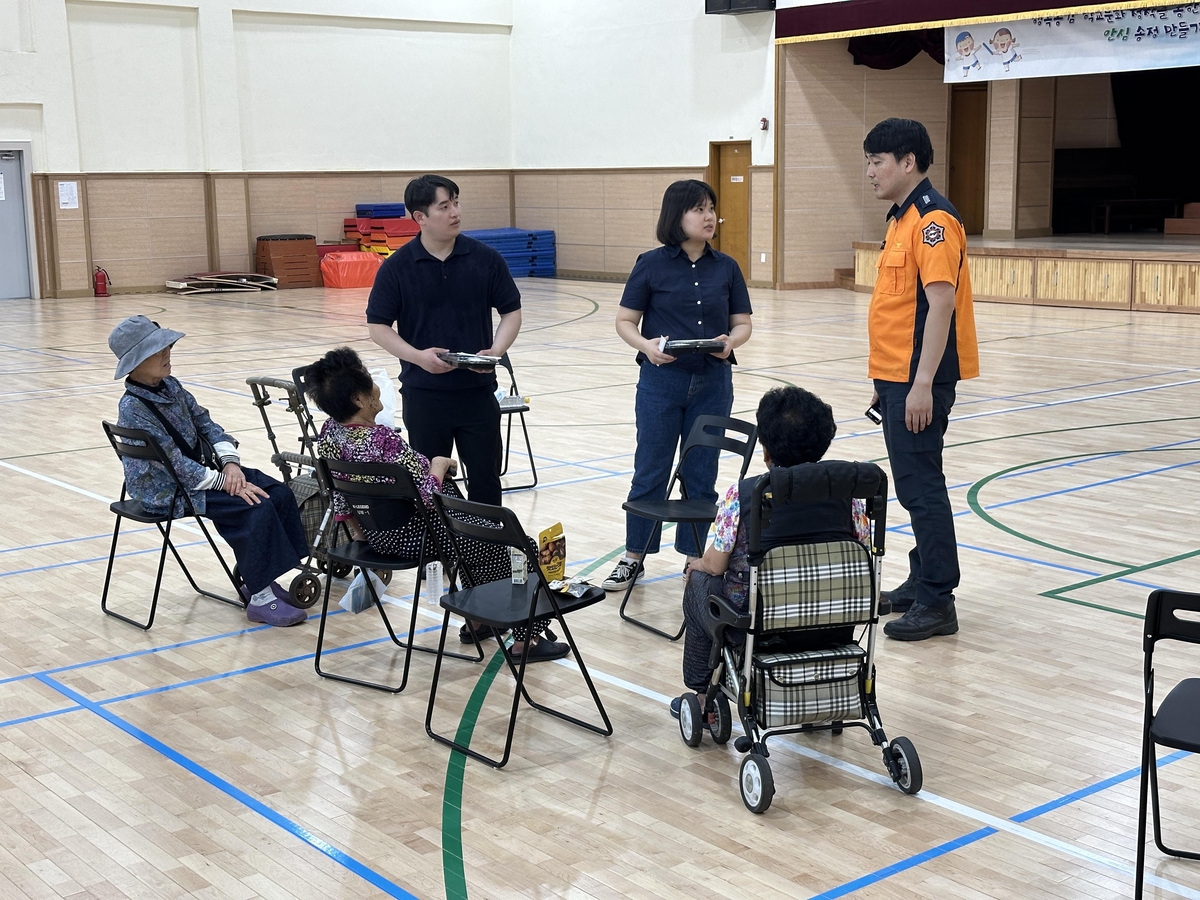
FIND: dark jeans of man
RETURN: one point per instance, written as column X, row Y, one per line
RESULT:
column 920, row 486
column 669, row 401
column 267, row 538
column 470, row 419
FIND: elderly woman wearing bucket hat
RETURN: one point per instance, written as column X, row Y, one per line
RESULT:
column 254, row 513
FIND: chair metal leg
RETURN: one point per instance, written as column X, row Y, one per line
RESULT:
column 1152, row 761
column 528, row 450
column 1139, row 871
column 344, row 678
column 162, row 559
column 638, row 622
column 221, row 559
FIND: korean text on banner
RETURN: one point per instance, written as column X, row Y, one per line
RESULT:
column 1120, row 40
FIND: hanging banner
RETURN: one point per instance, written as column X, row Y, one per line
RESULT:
column 1121, row 40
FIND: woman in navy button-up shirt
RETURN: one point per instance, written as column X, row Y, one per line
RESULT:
column 683, row 290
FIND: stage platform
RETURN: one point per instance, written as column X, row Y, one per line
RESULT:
column 1144, row 272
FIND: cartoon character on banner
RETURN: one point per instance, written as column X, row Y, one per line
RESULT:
column 968, row 52
column 1004, row 45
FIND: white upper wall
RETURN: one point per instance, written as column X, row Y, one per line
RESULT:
column 205, row 85
column 632, row 83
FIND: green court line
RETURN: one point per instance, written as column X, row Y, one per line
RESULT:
column 1057, row 593
column 453, row 871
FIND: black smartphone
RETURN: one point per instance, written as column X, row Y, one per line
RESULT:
column 873, row 413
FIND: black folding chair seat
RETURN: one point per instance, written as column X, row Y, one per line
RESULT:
column 1170, row 616
column 135, row 443
column 1177, row 722
column 504, row 605
column 388, row 501
column 708, row 431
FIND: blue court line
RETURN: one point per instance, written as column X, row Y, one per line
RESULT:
column 367, row 874
column 82, row 562
column 949, row 846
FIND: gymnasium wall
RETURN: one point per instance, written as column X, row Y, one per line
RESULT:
column 827, row 106
column 161, row 112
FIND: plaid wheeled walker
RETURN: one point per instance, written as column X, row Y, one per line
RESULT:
column 800, row 595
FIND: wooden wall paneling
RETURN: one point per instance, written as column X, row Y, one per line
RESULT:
column 1083, row 282
column 762, row 213
column 1007, row 277
column 865, row 271
column 212, row 238
column 1161, row 285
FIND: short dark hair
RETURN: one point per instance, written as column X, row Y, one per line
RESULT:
column 421, row 192
column 335, row 379
column 794, row 426
column 678, row 199
column 901, row 137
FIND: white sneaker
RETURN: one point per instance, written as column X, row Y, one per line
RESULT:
column 625, row 573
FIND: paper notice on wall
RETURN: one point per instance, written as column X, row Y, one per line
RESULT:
column 68, row 195
column 1, row 185
column 1119, row 40
column 737, row 179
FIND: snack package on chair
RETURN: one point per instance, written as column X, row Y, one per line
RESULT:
column 552, row 552
column 358, row 595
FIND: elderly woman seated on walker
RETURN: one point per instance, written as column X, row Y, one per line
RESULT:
column 794, row 427
column 254, row 513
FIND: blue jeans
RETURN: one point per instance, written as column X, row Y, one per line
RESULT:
column 920, row 486
column 669, row 400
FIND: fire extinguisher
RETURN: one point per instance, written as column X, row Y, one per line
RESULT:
column 102, row 282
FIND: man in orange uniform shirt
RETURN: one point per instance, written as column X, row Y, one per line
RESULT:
column 922, row 341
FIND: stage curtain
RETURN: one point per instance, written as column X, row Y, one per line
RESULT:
column 1152, row 117
column 891, row 51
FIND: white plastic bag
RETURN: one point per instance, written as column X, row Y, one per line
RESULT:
column 358, row 595
column 387, row 396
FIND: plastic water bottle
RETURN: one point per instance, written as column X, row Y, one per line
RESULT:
column 433, row 580
column 518, row 565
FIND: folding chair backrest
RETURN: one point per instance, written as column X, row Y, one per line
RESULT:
column 504, row 527
column 382, row 495
column 815, row 585
column 1163, row 622
column 135, row 443
column 712, row 431
column 507, row 364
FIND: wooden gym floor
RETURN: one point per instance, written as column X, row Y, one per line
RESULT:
column 205, row 758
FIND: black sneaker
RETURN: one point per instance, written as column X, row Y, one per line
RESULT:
column 624, row 574
column 900, row 598
column 922, row 622
column 545, row 651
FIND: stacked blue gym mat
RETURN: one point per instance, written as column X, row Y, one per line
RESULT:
column 379, row 210
column 526, row 252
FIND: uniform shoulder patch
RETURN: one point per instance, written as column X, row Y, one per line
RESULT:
column 933, row 234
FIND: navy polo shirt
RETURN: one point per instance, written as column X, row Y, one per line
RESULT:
column 443, row 303
column 686, row 300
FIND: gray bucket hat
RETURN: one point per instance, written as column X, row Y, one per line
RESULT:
column 137, row 339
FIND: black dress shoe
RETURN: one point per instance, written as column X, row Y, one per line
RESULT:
column 483, row 632
column 922, row 622
column 900, row 598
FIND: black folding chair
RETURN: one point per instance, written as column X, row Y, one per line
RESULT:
column 388, row 501
column 503, row 605
column 1177, row 722
column 708, row 431
column 515, row 405
column 134, row 443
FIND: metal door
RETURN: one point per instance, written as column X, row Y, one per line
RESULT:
column 14, row 249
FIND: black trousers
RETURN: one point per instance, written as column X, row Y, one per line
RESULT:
column 920, row 485
column 267, row 539
column 470, row 419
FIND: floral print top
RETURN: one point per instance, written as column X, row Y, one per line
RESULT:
column 374, row 444
column 728, row 538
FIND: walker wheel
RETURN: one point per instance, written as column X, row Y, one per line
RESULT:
column 758, row 787
column 721, row 726
column 340, row 570
column 690, row 717
column 384, row 575
column 305, row 590
column 836, row 729
column 909, row 764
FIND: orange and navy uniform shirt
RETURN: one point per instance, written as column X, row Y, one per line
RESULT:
column 926, row 243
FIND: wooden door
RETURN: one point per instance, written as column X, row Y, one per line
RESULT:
column 968, row 153
column 731, row 181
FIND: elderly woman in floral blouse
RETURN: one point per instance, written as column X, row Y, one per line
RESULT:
column 342, row 387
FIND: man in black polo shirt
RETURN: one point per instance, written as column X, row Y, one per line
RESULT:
column 439, row 290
